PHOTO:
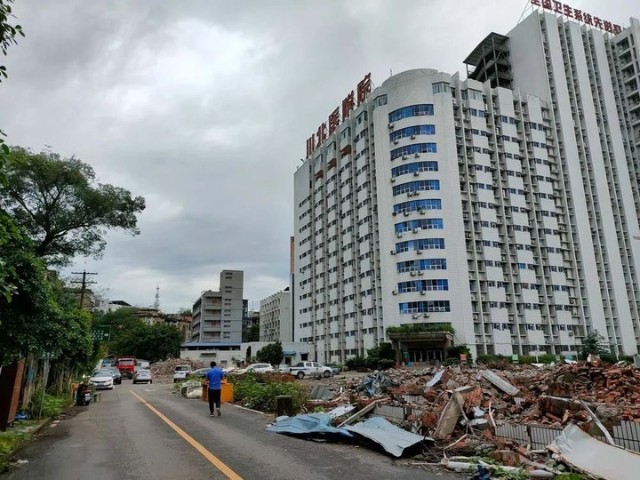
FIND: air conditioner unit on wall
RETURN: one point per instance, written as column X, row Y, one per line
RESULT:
column 415, row 316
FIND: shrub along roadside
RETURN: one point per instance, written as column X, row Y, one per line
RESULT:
column 44, row 405
column 259, row 391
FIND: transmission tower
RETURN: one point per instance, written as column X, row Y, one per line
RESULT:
column 156, row 303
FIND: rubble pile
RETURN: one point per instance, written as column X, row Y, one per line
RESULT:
column 162, row 372
column 471, row 415
column 550, row 395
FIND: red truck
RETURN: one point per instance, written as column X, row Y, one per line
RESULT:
column 126, row 365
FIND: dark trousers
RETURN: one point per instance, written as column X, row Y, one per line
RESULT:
column 214, row 397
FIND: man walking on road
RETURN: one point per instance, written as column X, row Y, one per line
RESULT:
column 214, row 379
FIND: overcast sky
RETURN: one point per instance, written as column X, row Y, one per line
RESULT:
column 204, row 107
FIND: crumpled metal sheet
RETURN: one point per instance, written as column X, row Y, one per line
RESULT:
column 436, row 378
column 376, row 384
column 392, row 439
column 595, row 457
column 340, row 411
column 316, row 425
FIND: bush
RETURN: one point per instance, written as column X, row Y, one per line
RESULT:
column 608, row 358
column 385, row 363
column 259, row 392
column 45, row 405
column 455, row 352
column 356, row 363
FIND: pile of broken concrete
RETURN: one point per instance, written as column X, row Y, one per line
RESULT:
column 162, row 372
column 459, row 410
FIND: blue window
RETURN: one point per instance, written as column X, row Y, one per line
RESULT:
column 411, row 131
column 412, row 149
column 411, row 111
column 424, row 264
column 420, row 244
column 422, row 224
column 418, row 185
column 431, row 166
column 423, row 285
column 425, row 307
column 424, row 204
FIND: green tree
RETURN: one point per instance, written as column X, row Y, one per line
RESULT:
column 151, row 342
column 8, row 33
column 161, row 342
column 26, row 305
column 61, row 207
column 593, row 343
column 271, row 353
column 254, row 333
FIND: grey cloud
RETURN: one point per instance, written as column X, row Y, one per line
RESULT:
column 204, row 107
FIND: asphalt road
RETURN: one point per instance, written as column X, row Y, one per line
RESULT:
column 146, row 432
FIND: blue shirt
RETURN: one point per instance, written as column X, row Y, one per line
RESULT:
column 214, row 377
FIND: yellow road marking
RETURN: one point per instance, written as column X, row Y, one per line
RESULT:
column 191, row 441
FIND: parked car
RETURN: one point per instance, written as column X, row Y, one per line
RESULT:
column 102, row 379
column 255, row 367
column 142, row 376
column 302, row 369
column 181, row 373
column 200, row 373
column 115, row 373
column 335, row 368
column 283, row 368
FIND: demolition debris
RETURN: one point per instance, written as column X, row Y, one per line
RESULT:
column 461, row 412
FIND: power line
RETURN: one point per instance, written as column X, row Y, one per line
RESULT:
column 84, row 283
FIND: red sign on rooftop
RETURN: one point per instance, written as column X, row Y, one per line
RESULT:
column 584, row 17
column 348, row 104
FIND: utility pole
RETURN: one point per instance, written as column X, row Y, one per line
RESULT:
column 84, row 283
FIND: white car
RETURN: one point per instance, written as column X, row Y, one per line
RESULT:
column 102, row 379
column 314, row 369
column 256, row 367
column 181, row 373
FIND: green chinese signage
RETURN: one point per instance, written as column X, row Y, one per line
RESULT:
column 100, row 334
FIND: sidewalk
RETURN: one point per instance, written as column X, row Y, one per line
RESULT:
column 16, row 437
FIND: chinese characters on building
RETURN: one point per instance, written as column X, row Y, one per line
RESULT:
column 351, row 101
column 584, row 17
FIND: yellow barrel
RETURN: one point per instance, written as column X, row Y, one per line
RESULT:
column 226, row 396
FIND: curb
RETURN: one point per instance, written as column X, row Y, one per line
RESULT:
column 251, row 410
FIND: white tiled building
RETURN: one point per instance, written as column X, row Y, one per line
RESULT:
column 506, row 213
column 275, row 318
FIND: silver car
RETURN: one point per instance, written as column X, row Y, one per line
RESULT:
column 142, row 376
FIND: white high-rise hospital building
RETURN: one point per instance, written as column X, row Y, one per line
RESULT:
column 504, row 205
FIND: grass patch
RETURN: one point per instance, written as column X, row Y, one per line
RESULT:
column 259, row 391
column 13, row 439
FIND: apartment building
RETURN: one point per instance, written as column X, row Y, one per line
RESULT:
column 504, row 205
column 218, row 315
